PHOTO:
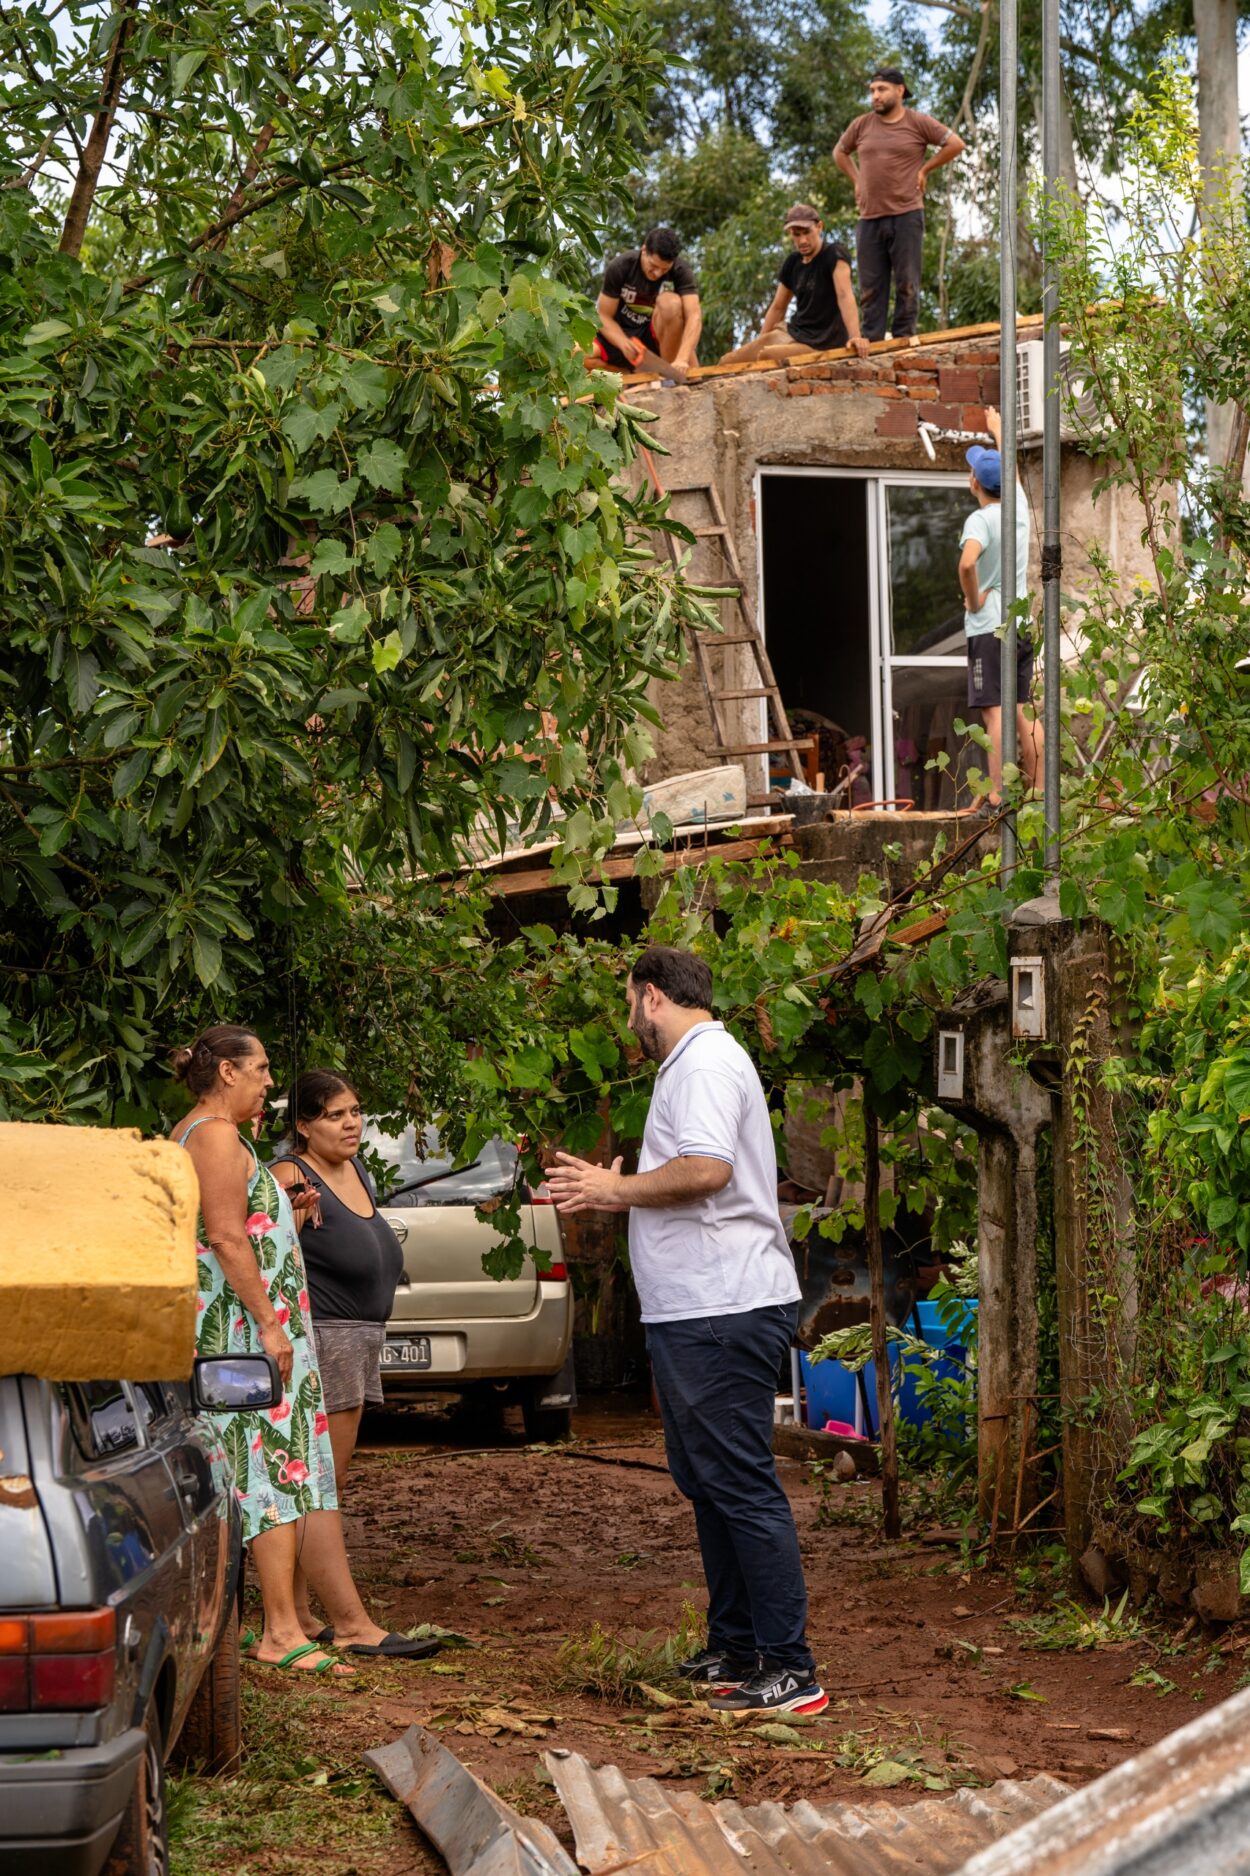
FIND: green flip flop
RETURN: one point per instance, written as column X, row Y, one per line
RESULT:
column 288, row 1660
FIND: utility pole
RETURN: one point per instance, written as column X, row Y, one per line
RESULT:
column 1052, row 548
column 1008, row 233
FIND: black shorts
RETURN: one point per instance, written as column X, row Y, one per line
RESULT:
column 613, row 355
column 985, row 670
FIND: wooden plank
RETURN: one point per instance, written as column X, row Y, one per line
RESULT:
column 921, row 341
column 791, row 1442
column 543, row 879
column 922, row 929
column 768, row 749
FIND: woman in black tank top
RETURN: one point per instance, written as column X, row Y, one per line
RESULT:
column 352, row 1257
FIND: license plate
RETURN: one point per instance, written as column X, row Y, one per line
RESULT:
column 413, row 1353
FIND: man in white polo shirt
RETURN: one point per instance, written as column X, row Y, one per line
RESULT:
column 719, row 1297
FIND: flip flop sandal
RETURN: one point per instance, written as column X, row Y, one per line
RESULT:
column 288, row 1660
column 324, row 1636
column 395, row 1648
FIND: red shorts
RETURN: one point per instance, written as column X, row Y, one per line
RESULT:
column 612, row 354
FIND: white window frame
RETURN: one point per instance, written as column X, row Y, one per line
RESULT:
column 880, row 621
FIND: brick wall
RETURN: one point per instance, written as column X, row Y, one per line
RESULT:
column 946, row 386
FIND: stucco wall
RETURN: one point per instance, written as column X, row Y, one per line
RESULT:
column 97, row 1254
column 851, row 414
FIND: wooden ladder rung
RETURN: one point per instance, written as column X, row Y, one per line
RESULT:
column 714, row 638
column 704, row 534
column 732, row 696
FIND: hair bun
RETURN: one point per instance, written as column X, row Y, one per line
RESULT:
column 180, row 1061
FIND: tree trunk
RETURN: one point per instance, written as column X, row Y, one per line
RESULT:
column 1067, row 144
column 1219, row 144
column 87, row 180
column 880, row 1340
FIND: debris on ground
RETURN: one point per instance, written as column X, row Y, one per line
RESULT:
column 476, row 1833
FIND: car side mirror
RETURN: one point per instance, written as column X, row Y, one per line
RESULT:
column 231, row 1383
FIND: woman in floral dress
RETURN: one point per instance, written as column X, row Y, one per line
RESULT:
column 253, row 1298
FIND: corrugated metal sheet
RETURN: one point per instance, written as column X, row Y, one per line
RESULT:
column 622, row 1821
column 478, row 1834
column 1181, row 1808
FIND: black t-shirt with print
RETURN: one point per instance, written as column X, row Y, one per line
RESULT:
column 624, row 280
column 815, row 317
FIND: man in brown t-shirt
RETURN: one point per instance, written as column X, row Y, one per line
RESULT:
column 894, row 167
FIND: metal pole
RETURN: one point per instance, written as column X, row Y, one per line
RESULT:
column 1052, row 550
column 1008, row 73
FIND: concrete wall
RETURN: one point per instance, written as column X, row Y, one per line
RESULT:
column 854, row 414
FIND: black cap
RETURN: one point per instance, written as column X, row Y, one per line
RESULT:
column 892, row 76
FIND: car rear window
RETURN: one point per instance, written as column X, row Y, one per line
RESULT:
column 432, row 1177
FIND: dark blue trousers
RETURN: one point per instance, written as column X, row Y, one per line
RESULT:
column 716, row 1380
column 889, row 245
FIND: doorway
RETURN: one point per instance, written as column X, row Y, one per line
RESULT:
column 861, row 614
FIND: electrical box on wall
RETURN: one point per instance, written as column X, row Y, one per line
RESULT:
column 1028, row 999
column 950, row 1065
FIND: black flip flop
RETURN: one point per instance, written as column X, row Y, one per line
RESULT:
column 395, row 1648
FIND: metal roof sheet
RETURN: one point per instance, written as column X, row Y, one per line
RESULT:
column 618, row 1820
column 1181, row 1808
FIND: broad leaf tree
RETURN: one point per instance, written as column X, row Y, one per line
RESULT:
column 315, row 559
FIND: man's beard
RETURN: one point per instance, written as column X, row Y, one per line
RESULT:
column 648, row 1034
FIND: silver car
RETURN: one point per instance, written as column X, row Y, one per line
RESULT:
column 119, row 1642
column 455, row 1329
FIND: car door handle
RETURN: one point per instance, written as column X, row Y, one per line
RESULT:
column 188, row 1486
column 400, row 1229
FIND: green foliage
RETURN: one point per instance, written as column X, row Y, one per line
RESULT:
column 1157, row 743
column 1069, row 1625
column 625, row 1671
column 313, row 563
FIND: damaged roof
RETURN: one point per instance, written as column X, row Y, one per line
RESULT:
column 1028, row 326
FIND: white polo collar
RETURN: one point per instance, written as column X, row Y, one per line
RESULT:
column 700, row 1029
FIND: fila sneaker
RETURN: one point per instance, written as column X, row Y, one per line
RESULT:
column 709, row 1668
column 772, row 1690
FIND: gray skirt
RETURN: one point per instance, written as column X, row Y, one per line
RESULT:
column 349, row 1355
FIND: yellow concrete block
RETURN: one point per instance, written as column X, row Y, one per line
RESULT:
column 97, row 1254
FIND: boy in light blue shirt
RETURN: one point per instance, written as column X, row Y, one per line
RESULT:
column 980, row 580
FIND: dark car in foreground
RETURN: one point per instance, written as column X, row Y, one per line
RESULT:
column 119, row 1561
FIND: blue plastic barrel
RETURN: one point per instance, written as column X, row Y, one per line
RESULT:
column 831, row 1388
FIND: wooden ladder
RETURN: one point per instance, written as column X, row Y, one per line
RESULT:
column 715, row 531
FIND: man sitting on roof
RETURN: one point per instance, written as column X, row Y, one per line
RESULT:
column 816, row 275
column 649, row 303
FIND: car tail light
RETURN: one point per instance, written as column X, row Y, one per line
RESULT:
column 74, row 1632
column 72, row 1680
column 541, row 1195
column 557, row 1274
column 66, row 1660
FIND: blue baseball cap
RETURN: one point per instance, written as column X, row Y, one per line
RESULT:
column 987, row 466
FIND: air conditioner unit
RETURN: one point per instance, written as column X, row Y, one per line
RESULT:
column 1078, row 416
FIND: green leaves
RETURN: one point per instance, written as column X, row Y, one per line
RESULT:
column 383, row 465
column 325, row 492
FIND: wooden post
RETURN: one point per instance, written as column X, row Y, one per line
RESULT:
column 1095, row 1258
column 880, row 1344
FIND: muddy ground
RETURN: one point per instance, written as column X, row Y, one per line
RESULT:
column 942, row 1668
